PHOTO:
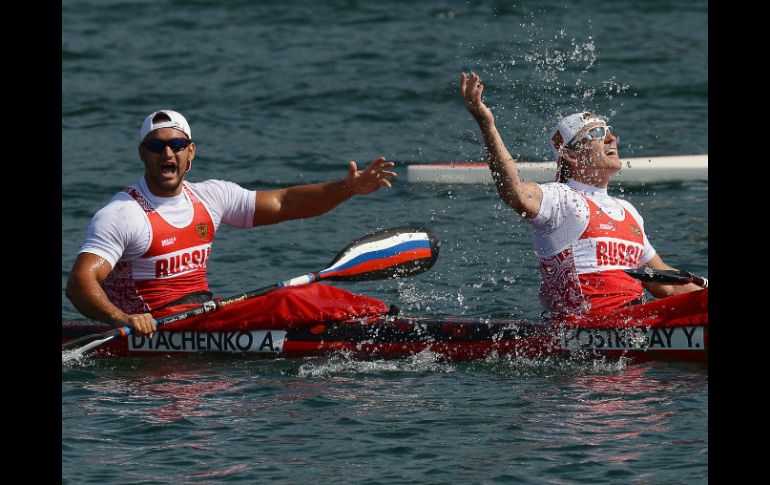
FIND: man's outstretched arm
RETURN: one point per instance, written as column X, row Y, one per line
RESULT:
column 301, row 201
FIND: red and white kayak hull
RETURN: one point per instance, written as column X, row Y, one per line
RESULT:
column 673, row 329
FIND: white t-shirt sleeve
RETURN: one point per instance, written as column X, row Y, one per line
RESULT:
column 648, row 252
column 562, row 218
column 551, row 213
column 227, row 202
column 118, row 230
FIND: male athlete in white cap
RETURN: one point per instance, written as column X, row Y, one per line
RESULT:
column 147, row 249
column 583, row 237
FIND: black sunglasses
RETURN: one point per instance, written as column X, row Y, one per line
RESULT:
column 175, row 144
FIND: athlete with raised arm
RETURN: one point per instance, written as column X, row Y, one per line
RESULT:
column 583, row 237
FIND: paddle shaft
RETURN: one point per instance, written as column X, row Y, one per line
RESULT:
column 668, row 276
column 213, row 305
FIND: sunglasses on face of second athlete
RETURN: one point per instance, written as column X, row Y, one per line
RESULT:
column 595, row 133
column 175, row 144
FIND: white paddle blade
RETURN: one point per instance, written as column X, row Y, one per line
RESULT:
column 72, row 354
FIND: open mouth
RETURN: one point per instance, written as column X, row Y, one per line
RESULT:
column 168, row 168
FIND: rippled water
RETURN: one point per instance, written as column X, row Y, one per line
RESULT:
column 287, row 92
column 384, row 421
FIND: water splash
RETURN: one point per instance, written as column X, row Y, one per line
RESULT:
column 540, row 76
column 347, row 364
column 575, row 365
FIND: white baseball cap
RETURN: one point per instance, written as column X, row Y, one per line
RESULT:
column 565, row 131
column 568, row 127
column 177, row 121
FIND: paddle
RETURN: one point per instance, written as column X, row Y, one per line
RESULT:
column 391, row 253
column 669, row 276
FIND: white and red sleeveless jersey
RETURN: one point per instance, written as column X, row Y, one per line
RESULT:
column 584, row 239
column 173, row 265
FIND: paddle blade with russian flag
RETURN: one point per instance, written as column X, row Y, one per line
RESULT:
column 392, row 253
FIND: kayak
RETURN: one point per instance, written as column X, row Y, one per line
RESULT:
column 673, row 329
